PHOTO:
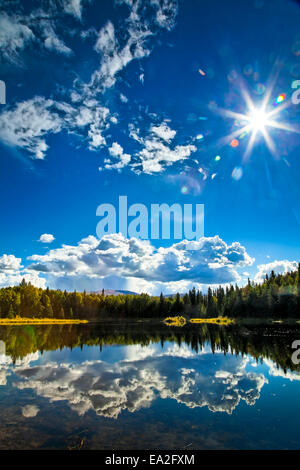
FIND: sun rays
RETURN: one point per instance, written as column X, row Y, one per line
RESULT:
column 258, row 120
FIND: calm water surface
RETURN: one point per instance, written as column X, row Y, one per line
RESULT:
column 142, row 386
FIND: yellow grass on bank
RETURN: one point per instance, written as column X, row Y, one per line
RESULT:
column 217, row 321
column 39, row 321
column 175, row 321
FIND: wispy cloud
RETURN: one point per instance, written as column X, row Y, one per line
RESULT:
column 14, row 37
column 141, row 24
column 27, row 124
column 53, row 43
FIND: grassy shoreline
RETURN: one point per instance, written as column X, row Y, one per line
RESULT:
column 171, row 321
column 40, row 321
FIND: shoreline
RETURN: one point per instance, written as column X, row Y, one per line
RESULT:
column 40, row 321
column 225, row 321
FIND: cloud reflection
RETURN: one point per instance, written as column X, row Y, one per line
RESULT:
column 195, row 380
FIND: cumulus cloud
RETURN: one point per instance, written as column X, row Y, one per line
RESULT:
column 279, row 267
column 13, row 279
column 164, row 132
column 9, row 263
column 46, row 238
column 208, row 260
column 12, row 273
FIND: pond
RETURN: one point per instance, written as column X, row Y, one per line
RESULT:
column 143, row 385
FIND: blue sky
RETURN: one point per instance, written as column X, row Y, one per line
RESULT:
column 132, row 98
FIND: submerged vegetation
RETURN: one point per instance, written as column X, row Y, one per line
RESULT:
column 277, row 297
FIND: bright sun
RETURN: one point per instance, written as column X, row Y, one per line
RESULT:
column 258, row 120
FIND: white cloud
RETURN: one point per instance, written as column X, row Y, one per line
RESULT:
column 9, row 263
column 18, row 31
column 73, row 7
column 14, row 37
column 123, row 98
column 276, row 371
column 208, row 380
column 30, row 411
column 46, row 238
column 115, row 58
column 53, row 43
column 12, row 273
column 156, row 154
column 166, row 11
column 208, row 260
column 164, row 132
column 15, row 278
column 141, row 24
column 116, row 151
column 279, row 267
column 28, row 123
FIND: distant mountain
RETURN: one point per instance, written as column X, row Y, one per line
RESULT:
column 114, row 292
column 173, row 295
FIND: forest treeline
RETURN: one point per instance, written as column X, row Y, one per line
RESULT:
column 277, row 296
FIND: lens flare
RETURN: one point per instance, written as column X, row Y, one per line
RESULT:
column 280, row 98
column 184, row 189
column 237, row 173
column 234, row 143
column 258, row 119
